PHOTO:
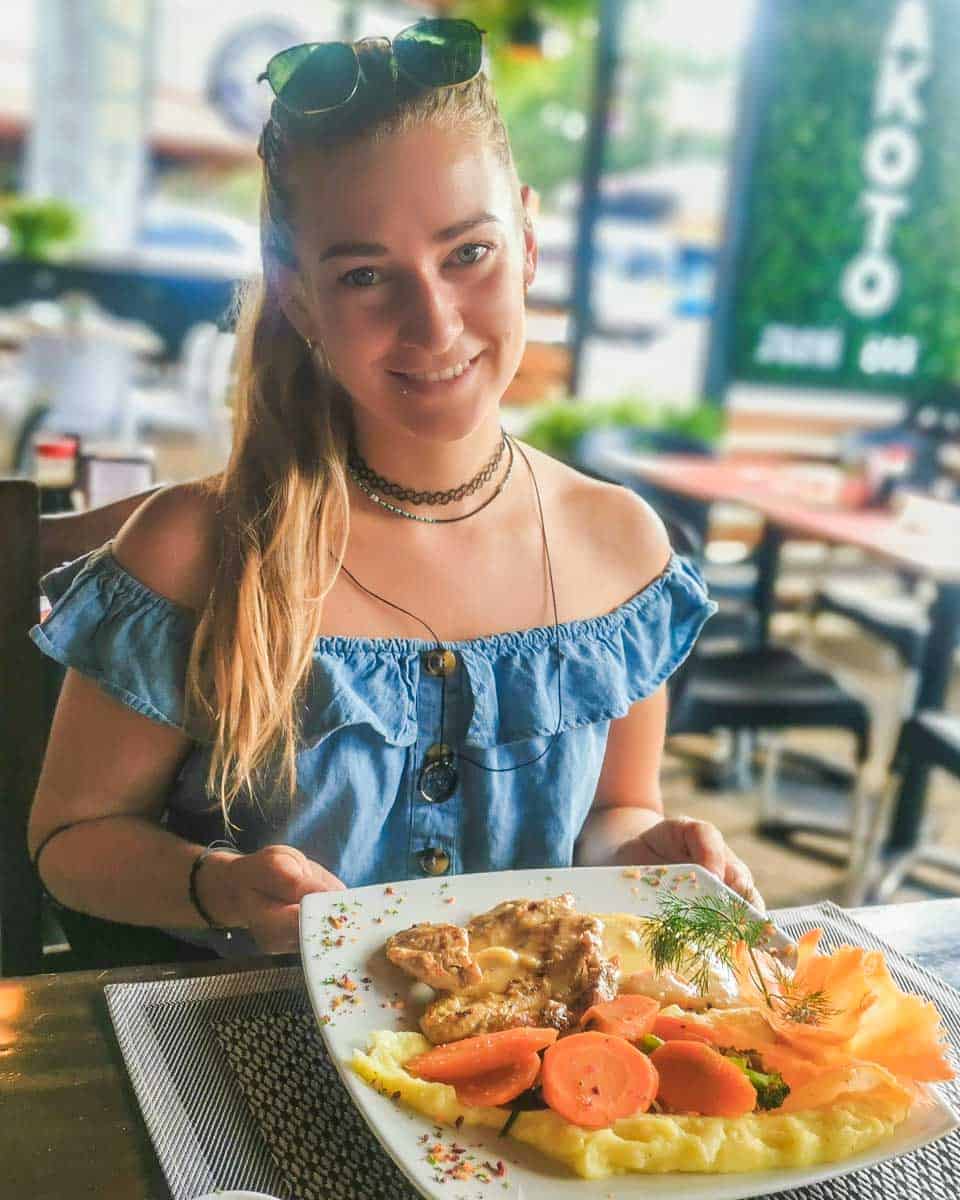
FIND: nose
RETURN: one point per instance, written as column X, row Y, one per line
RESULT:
column 430, row 316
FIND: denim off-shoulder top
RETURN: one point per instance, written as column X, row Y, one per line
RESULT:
column 372, row 710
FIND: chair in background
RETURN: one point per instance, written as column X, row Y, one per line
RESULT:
column 898, row 620
column 196, row 401
column 927, row 740
column 29, row 546
column 761, row 689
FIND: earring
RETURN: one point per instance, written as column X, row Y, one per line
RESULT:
column 310, row 346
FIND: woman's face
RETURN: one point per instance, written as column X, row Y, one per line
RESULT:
column 413, row 261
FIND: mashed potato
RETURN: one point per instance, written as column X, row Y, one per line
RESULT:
column 652, row 1142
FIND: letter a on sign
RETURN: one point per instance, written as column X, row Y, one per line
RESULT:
column 906, row 64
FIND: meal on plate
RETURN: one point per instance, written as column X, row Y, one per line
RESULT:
column 678, row 1042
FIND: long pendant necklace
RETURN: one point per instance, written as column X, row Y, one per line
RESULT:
column 361, row 477
column 438, row 775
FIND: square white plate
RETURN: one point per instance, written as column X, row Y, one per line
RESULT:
column 343, row 933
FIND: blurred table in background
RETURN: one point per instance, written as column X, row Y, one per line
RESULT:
column 796, row 499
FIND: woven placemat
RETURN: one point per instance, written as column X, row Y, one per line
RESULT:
column 237, row 1090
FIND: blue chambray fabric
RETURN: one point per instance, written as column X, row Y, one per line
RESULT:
column 371, row 710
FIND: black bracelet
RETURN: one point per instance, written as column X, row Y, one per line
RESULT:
column 192, row 886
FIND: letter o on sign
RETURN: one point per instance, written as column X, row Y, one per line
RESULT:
column 891, row 156
column 871, row 284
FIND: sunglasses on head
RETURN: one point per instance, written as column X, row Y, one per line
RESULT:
column 316, row 77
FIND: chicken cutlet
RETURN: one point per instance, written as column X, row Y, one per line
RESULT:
column 525, row 962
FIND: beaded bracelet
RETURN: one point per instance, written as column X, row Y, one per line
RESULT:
column 192, row 886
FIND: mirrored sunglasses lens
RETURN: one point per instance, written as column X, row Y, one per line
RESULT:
column 442, row 52
column 314, row 77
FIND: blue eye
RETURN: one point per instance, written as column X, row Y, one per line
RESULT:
column 351, row 278
column 470, row 247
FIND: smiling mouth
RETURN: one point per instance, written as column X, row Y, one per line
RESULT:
column 444, row 376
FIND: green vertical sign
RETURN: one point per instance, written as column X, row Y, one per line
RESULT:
column 847, row 272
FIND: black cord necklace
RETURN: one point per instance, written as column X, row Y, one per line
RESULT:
column 439, row 775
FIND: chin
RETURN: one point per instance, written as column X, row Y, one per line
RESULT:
column 439, row 421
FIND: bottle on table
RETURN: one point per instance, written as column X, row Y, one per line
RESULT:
column 55, row 470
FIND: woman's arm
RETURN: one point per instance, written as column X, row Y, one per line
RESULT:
column 627, row 825
column 107, row 774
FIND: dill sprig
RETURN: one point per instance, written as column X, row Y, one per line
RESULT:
column 805, row 1008
column 691, row 936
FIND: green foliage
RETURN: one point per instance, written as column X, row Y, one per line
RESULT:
column 805, row 221
column 546, row 101
column 556, row 428
column 38, row 226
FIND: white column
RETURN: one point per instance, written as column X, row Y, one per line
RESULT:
column 93, row 76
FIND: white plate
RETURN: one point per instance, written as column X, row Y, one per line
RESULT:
column 236, row 1196
column 367, row 916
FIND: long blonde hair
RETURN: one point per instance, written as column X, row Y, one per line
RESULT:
column 283, row 495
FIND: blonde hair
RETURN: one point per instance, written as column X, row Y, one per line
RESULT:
column 283, row 495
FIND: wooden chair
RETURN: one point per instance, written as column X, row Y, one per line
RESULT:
column 31, row 544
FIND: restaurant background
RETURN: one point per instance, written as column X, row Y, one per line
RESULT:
column 698, row 169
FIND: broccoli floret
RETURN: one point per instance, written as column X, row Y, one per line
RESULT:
column 771, row 1089
column 770, row 1086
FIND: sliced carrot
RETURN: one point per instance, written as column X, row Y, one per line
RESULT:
column 477, row 1055
column 696, row 1079
column 629, row 1017
column 500, row 1085
column 685, row 1029
column 594, row 1079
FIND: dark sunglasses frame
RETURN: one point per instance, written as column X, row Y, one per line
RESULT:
column 445, row 31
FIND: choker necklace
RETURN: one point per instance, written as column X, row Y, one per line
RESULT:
column 472, row 486
column 360, row 471
column 438, row 776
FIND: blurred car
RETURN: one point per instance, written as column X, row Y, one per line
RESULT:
column 180, row 237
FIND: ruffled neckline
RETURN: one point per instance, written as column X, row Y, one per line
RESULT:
column 535, row 637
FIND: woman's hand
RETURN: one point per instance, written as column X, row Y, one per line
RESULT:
column 261, row 892
column 683, row 839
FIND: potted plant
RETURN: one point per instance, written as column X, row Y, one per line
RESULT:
column 557, row 428
column 38, row 227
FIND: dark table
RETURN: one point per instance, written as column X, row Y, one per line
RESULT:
column 70, row 1125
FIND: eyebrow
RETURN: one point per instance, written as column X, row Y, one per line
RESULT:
column 375, row 249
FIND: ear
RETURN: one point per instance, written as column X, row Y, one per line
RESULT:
column 292, row 301
column 531, row 206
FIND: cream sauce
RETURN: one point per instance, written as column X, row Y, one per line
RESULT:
column 501, row 964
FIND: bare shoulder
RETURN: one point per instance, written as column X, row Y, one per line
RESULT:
column 172, row 542
column 612, row 532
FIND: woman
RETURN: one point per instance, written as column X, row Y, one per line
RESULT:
column 387, row 641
